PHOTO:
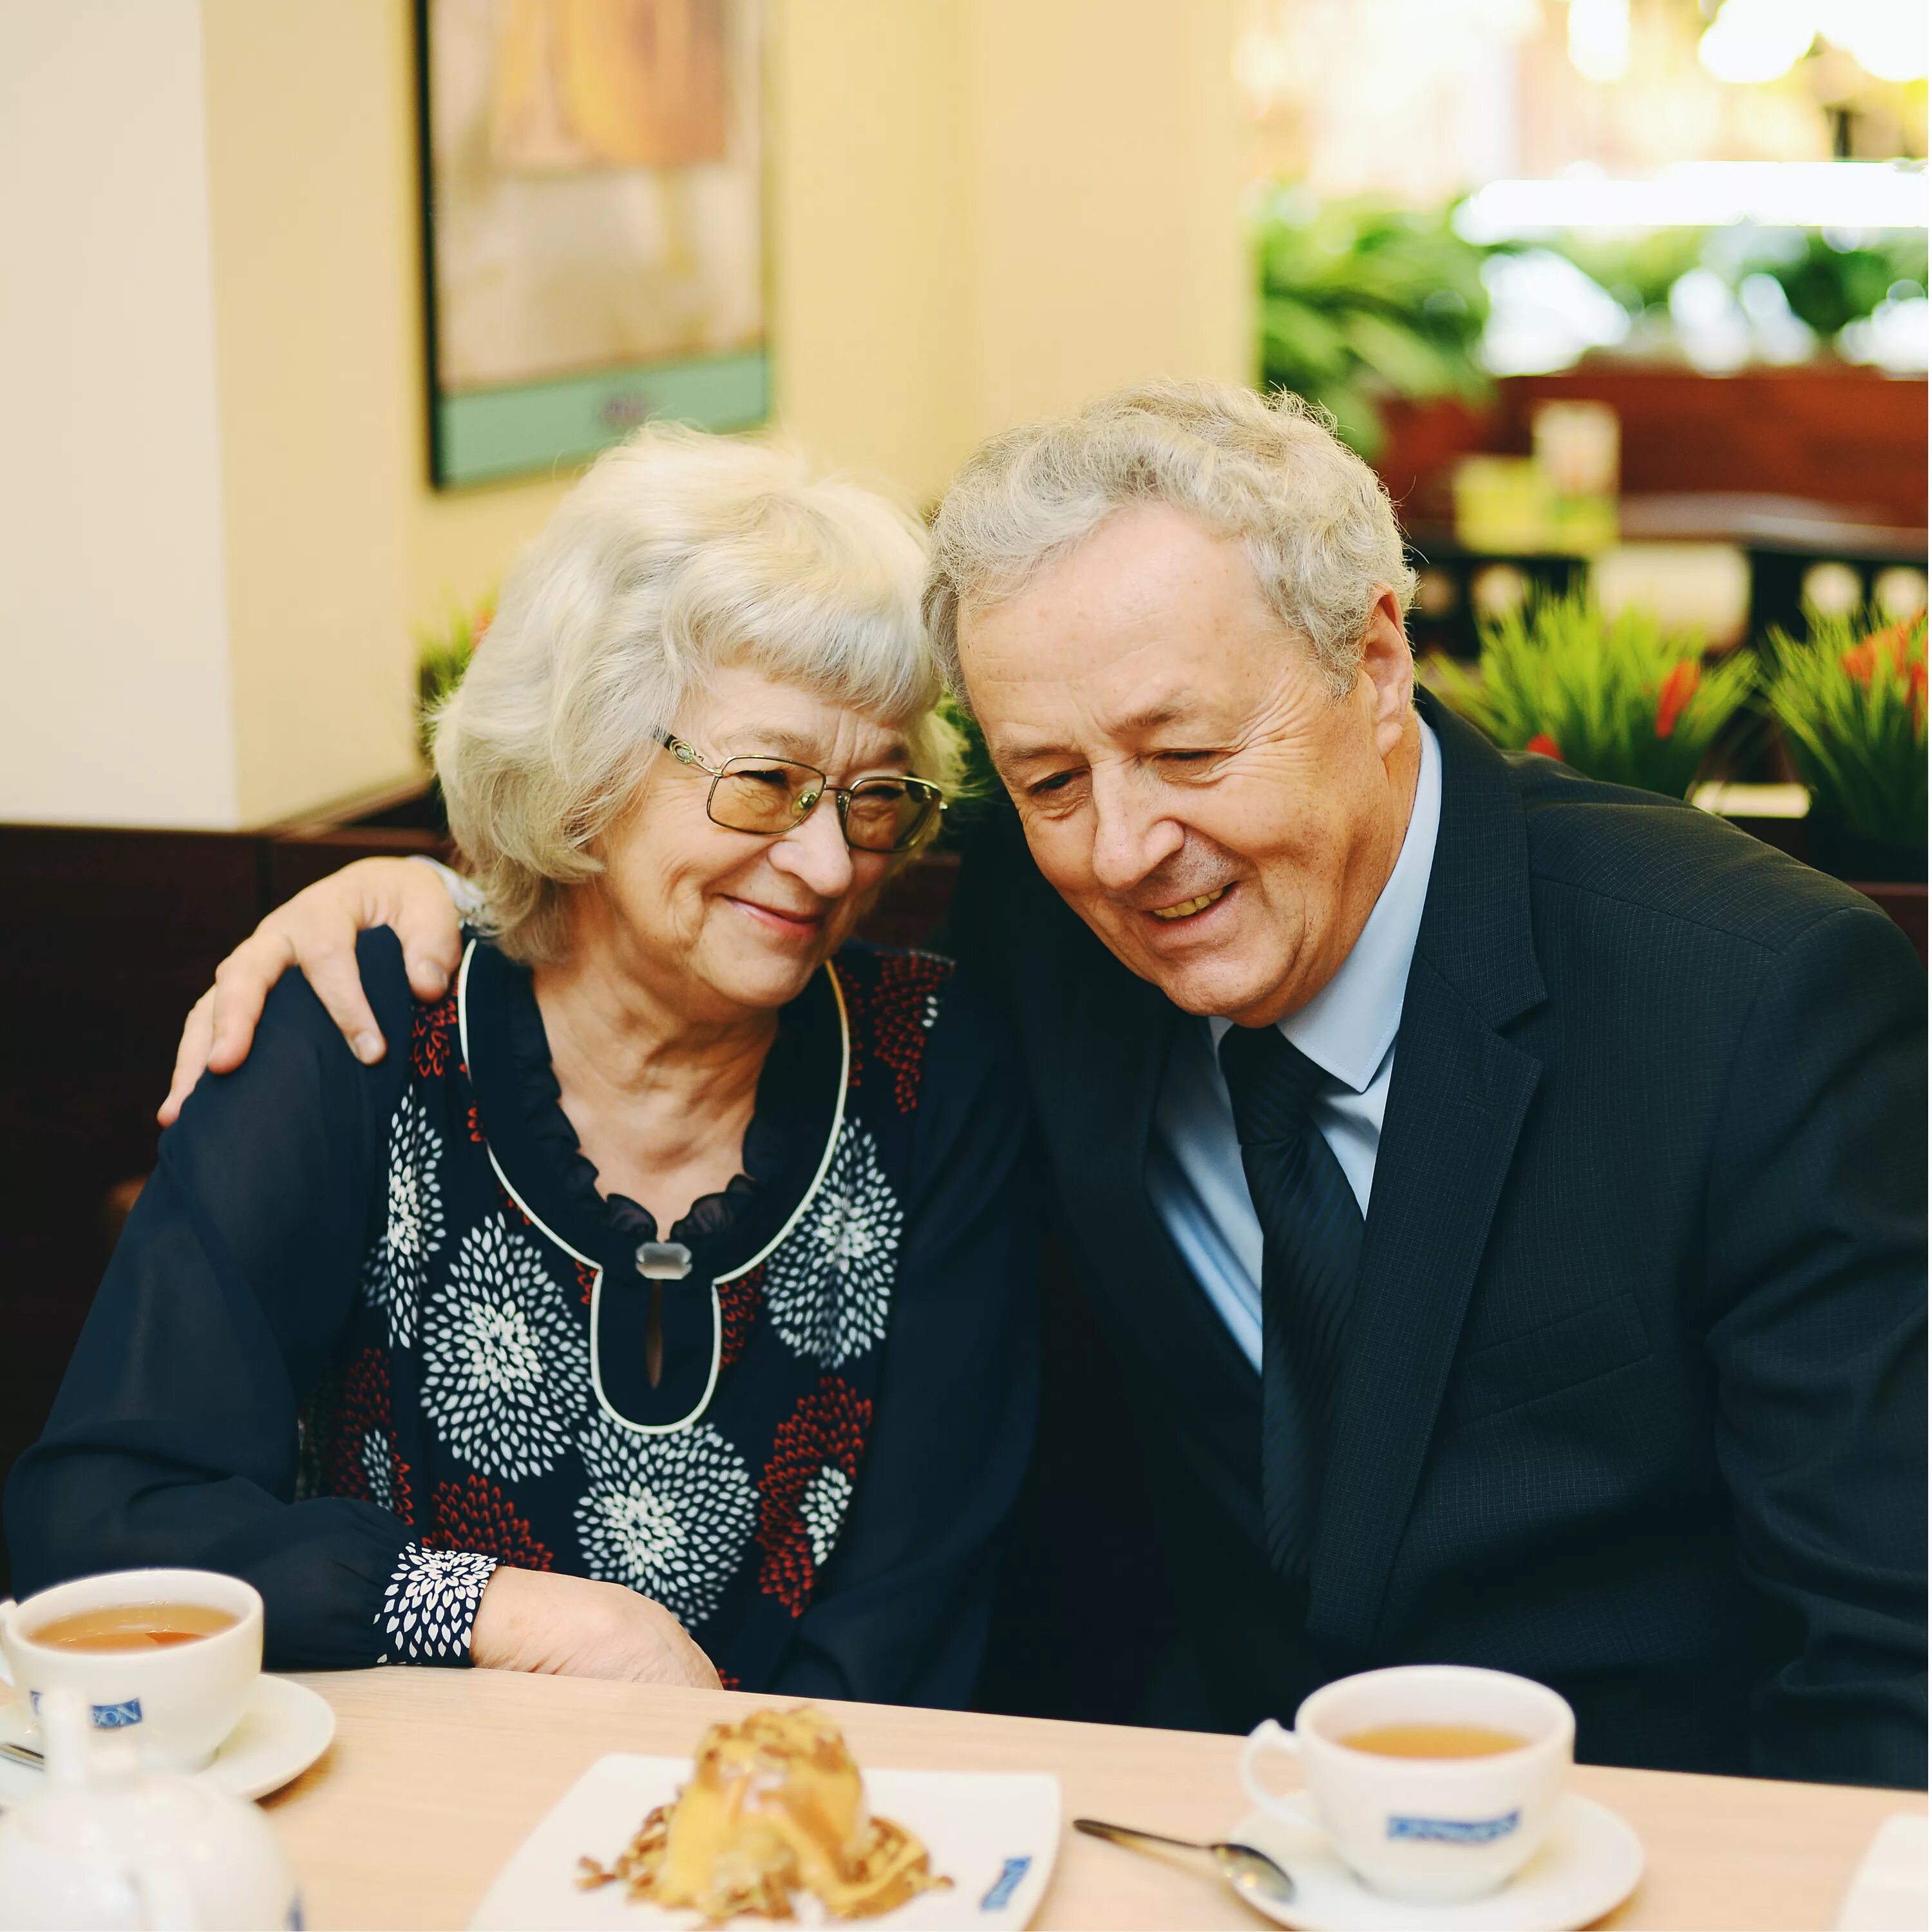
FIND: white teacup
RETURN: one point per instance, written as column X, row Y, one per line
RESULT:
column 177, row 1703
column 1429, row 1830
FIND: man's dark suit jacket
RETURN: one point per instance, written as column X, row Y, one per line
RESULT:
column 1634, row 1394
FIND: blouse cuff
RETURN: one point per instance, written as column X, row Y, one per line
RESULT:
column 430, row 1605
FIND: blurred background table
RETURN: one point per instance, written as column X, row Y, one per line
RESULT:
column 435, row 1777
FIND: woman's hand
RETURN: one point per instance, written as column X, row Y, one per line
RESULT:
column 317, row 931
column 563, row 1626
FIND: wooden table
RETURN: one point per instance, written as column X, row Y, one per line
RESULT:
column 435, row 1777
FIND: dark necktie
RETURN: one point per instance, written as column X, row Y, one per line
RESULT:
column 1311, row 1245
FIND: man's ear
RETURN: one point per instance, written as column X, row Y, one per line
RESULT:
column 1390, row 666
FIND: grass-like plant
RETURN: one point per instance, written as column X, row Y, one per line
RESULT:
column 1360, row 301
column 1619, row 698
column 443, row 652
column 1850, row 701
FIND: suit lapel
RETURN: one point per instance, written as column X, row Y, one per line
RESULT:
column 1120, row 1032
column 1127, row 1029
column 1458, row 1099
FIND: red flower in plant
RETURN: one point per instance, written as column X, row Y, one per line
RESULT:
column 1547, row 746
column 1862, row 661
column 1674, row 693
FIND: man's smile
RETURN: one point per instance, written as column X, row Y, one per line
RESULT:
column 1188, row 908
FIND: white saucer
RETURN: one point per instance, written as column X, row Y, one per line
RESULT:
column 1589, row 1863
column 284, row 1728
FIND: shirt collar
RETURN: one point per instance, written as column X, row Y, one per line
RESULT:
column 1348, row 1027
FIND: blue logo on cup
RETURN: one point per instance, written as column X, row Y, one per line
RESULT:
column 1455, row 1831
column 1005, row 1885
column 106, row 1717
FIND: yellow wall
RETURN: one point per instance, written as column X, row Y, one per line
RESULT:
column 982, row 210
column 306, row 106
column 1106, row 167
column 872, row 274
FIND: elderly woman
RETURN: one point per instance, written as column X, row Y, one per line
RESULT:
column 660, row 1299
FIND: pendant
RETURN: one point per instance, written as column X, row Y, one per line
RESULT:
column 659, row 1262
column 663, row 1260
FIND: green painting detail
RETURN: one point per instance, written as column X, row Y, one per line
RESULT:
column 487, row 433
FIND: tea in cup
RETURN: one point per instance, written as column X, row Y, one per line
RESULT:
column 1435, row 1783
column 169, row 1656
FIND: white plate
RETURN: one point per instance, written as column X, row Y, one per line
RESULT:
column 1590, row 1863
column 284, row 1728
column 993, row 1833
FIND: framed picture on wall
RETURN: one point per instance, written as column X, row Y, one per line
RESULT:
column 593, row 224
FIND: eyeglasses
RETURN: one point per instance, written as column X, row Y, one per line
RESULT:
column 752, row 793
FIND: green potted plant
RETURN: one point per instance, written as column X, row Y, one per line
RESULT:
column 1617, row 697
column 1849, row 701
column 1360, row 302
column 443, row 652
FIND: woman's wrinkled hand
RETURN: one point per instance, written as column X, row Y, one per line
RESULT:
column 317, row 932
column 562, row 1626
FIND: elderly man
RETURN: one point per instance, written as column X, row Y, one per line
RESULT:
column 1505, row 1192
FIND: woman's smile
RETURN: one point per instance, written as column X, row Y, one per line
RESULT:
column 782, row 924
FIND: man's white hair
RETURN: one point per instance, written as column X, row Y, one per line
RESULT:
column 1268, row 473
column 678, row 554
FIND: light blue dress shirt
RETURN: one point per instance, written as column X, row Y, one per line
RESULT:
column 1348, row 1030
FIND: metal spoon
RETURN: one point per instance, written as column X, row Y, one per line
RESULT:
column 1251, row 1873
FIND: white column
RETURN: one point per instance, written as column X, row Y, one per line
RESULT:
column 115, row 681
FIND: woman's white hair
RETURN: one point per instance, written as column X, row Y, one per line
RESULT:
column 1266, row 472
column 678, row 554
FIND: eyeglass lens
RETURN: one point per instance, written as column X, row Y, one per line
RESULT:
column 772, row 795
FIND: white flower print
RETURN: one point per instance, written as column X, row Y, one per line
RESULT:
column 429, row 1605
column 378, row 1460
column 392, row 1276
column 826, row 1498
column 670, row 1516
column 505, row 1372
column 828, row 1285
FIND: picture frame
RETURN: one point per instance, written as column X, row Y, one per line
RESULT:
column 594, row 225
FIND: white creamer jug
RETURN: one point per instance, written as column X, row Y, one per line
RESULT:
column 105, row 1845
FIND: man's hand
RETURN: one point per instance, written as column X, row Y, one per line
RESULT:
column 317, row 931
column 571, row 1626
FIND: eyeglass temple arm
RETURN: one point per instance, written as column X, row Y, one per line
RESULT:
column 684, row 754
